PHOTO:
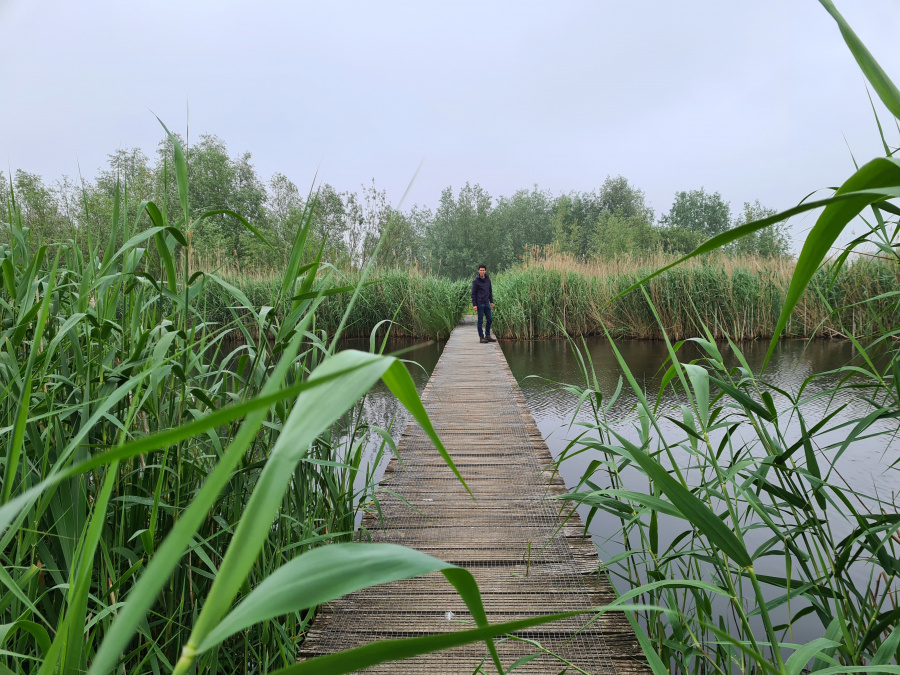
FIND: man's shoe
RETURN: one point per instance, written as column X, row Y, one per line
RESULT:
column 482, row 340
column 489, row 339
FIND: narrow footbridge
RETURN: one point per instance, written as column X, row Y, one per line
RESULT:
column 525, row 549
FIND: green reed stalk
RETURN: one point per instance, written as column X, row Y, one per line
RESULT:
column 142, row 439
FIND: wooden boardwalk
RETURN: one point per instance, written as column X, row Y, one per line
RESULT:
column 527, row 558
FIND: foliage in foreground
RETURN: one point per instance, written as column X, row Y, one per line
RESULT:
column 152, row 479
column 84, row 370
column 736, row 526
column 746, row 494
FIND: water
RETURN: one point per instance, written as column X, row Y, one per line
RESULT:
column 864, row 467
column 540, row 366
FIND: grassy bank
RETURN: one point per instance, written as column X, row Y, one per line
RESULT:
column 736, row 297
column 421, row 306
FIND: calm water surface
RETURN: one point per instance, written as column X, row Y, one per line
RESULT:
column 864, row 466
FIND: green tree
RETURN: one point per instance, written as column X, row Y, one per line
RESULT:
column 582, row 220
column 617, row 234
column 401, row 236
column 41, row 209
column 770, row 242
column 329, row 225
column 678, row 240
column 284, row 206
column 130, row 169
column 459, row 238
column 617, row 195
column 519, row 222
column 698, row 211
column 217, row 181
column 574, row 222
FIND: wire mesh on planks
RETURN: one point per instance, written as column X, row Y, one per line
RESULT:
column 523, row 547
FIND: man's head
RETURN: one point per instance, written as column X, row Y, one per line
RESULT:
column 482, row 270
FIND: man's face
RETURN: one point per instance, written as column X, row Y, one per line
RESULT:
column 481, row 272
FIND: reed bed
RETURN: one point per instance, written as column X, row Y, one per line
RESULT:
column 416, row 304
column 736, row 297
column 116, row 362
column 172, row 501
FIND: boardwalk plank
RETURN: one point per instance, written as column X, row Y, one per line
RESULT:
column 526, row 549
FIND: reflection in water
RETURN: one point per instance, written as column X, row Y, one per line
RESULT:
column 863, row 467
column 538, row 365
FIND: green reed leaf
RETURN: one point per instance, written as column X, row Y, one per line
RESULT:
column 880, row 176
column 325, row 574
column 888, row 649
column 80, row 579
column 157, row 441
column 595, row 498
column 884, row 87
column 181, row 172
column 802, row 655
column 699, row 378
column 168, row 555
column 694, row 510
column 382, row 651
column 401, row 384
column 311, row 415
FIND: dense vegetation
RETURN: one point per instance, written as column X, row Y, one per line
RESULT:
column 468, row 226
column 738, row 297
column 169, row 506
column 730, row 296
column 154, row 471
column 412, row 303
column 736, row 524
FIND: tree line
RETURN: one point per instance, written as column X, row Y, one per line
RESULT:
column 467, row 227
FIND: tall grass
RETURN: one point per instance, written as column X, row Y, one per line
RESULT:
column 736, row 297
column 418, row 304
column 735, row 524
column 169, row 503
column 93, row 355
column 733, row 519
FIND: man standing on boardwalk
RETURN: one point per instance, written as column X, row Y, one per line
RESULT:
column 483, row 303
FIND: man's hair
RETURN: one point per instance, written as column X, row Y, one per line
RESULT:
column 482, row 267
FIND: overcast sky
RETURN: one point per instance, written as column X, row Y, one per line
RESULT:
column 752, row 99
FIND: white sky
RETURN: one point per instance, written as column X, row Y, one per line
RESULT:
column 752, row 99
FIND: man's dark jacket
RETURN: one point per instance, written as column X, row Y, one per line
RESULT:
column 482, row 293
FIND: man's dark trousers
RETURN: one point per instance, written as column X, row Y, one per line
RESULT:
column 484, row 312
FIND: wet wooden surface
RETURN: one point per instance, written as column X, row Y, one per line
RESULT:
column 525, row 549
